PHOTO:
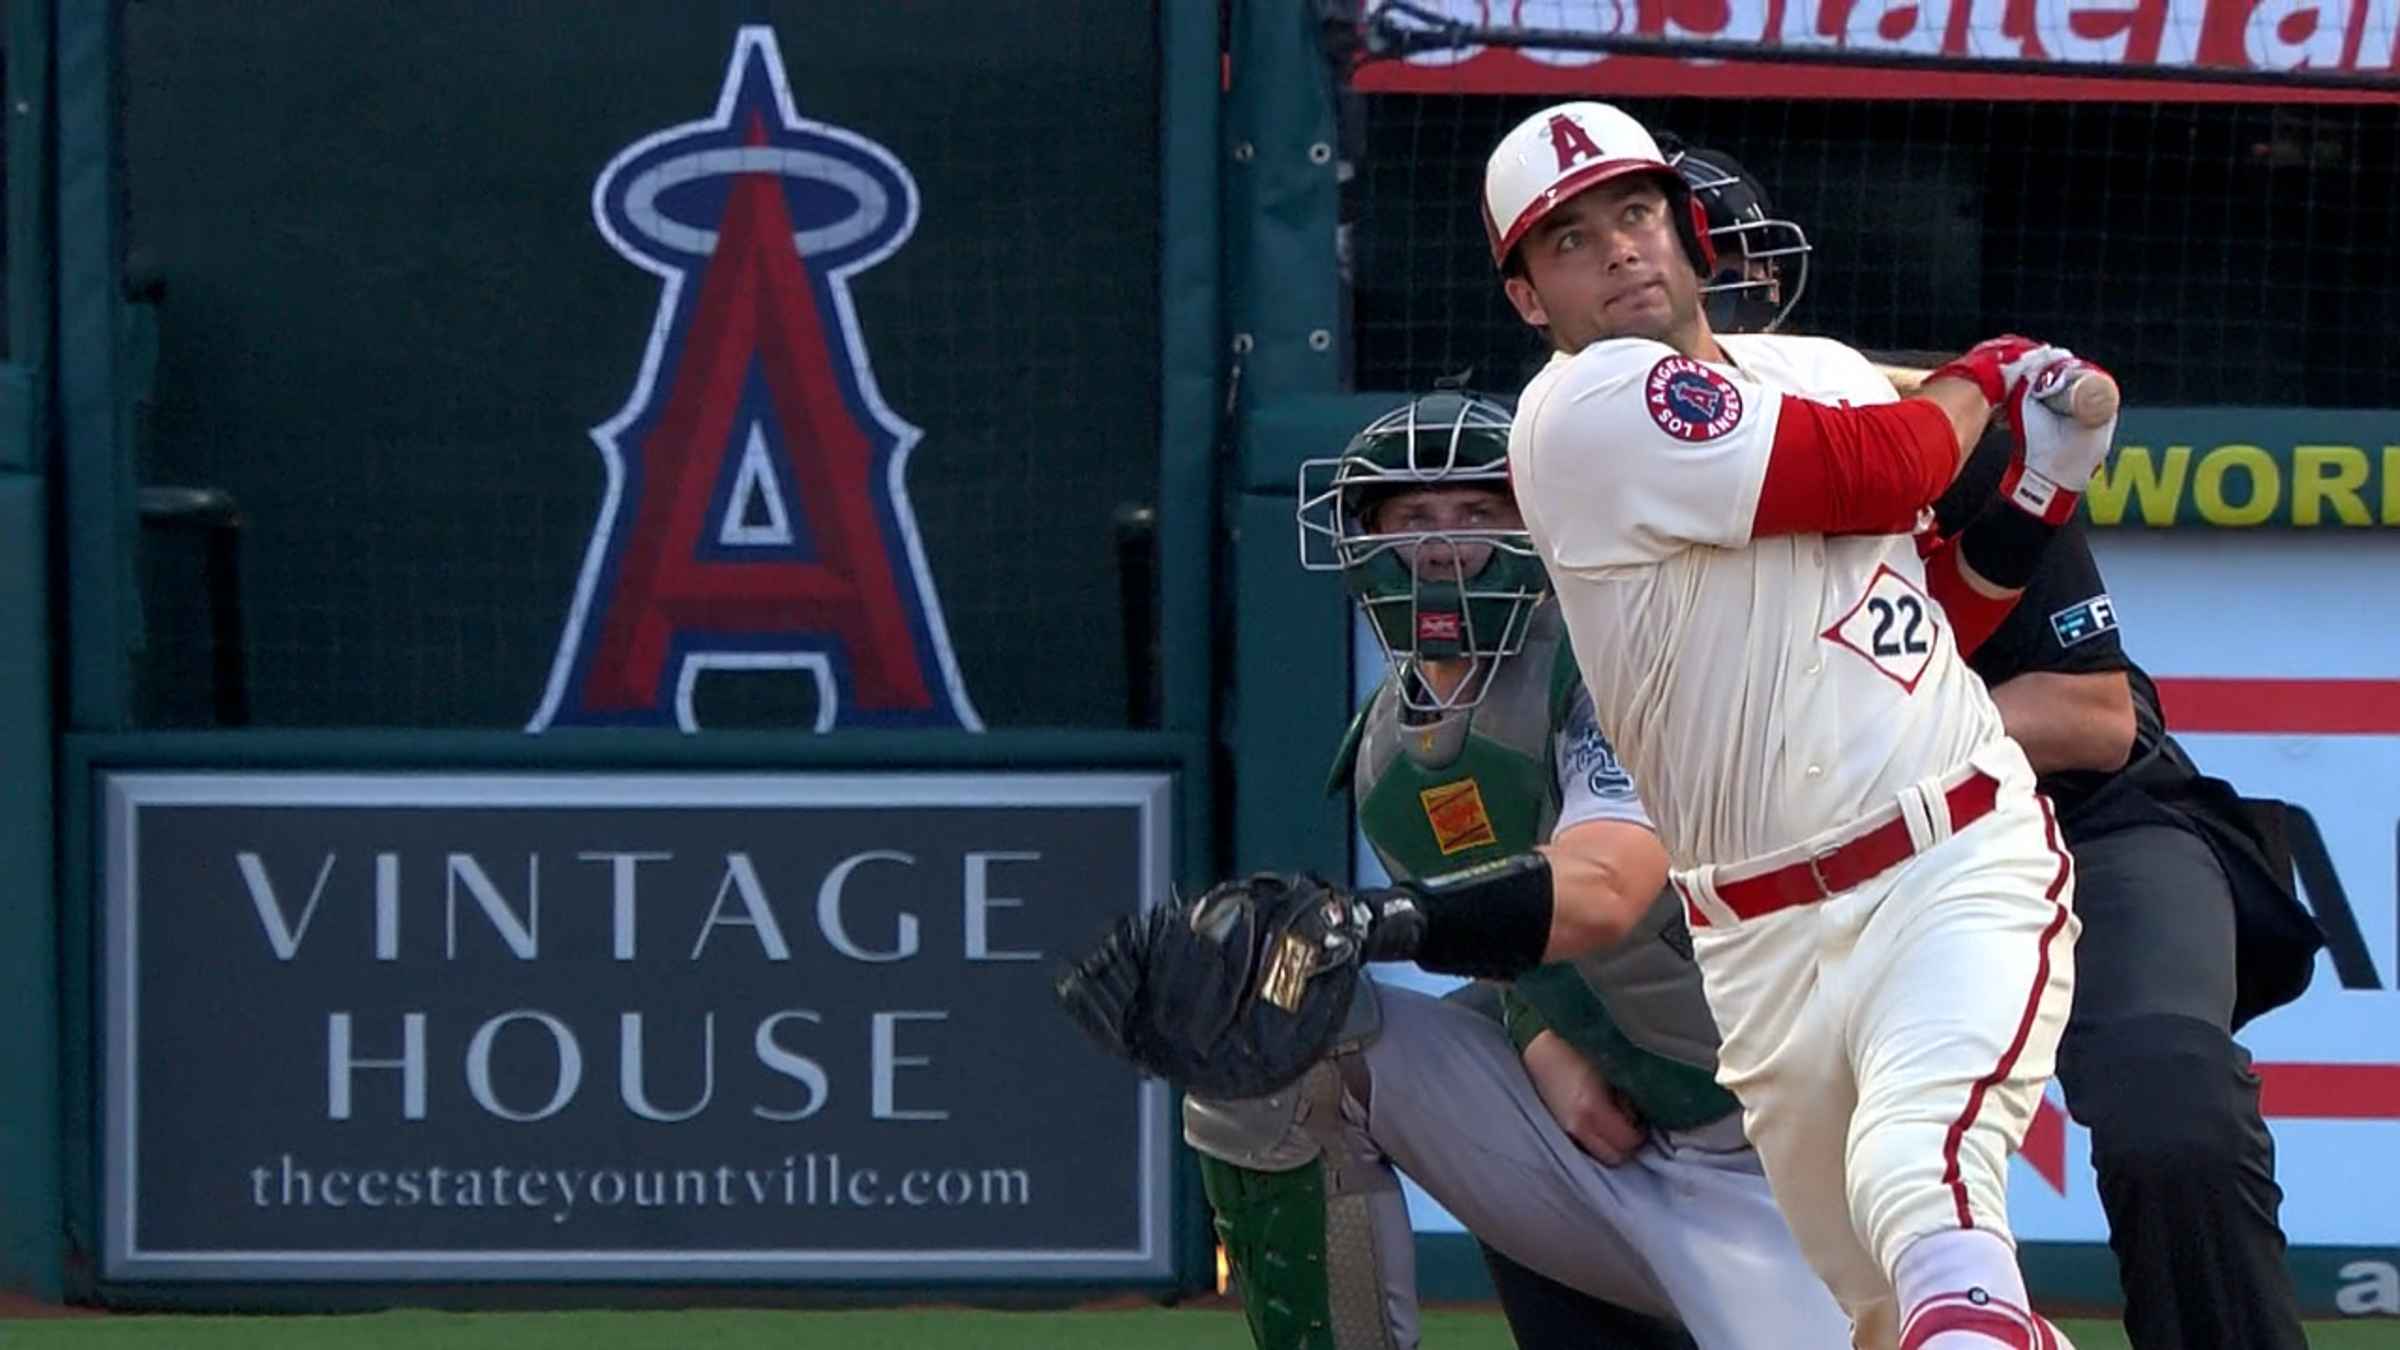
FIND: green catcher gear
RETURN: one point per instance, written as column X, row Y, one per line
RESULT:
column 1435, row 795
column 1305, row 1216
column 1429, row 595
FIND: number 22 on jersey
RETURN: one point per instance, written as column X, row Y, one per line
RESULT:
column 1893, row 626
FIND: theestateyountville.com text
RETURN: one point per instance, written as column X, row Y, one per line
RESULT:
column 798, row 1180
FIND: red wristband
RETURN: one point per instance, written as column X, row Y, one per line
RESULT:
column 2036, row 495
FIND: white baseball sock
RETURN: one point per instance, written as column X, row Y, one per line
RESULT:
column 1960, row 1290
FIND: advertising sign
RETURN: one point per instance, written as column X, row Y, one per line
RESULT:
column 633, row 1025
column 2245, row 468
column 2070, row 49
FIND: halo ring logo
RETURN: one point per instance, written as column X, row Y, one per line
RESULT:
column 638, row 197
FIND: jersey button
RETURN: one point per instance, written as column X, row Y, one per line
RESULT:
column 1816, row 771
column 1814, row 666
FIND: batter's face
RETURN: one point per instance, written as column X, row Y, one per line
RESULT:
column 1436, row 510
column 1609, row 263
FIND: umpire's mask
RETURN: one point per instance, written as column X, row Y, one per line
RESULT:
column 1761, row 258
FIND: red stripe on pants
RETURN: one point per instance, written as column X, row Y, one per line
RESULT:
column 1991, row 1323
column 2016, row 1046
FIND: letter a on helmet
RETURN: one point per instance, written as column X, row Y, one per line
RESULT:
column 1562, row 150
column 1573, row 143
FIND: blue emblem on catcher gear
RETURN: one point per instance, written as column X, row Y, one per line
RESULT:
column 756, row 514
column 1689, row 401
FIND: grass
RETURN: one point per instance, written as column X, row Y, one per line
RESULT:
column 903, row 1329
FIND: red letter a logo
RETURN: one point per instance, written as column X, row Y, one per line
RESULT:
column 1571, row 141
column 755, row 516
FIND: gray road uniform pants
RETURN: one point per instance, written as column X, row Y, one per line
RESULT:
column 1686, row 1230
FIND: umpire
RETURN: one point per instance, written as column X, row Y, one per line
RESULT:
column 2190, row 929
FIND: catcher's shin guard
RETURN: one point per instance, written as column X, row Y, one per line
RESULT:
column 1311, row 1275
column 1302, row 1205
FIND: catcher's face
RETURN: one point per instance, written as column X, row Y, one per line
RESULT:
column 1439, row 512
column 1607, row 263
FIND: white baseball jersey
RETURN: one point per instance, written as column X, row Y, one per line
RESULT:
column 1761, row 691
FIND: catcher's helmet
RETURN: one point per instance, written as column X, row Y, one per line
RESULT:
column 1564, row 149
column 1431, row 612
column 1761, row 258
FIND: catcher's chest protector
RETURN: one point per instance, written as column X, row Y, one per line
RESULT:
column 1475, row 785
column 1482, row 783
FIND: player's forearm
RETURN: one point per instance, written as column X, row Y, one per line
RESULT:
column 1581, row 892
column 1841, row 470
column 1964, row 404
column 1598, row 895
column 2069, row 721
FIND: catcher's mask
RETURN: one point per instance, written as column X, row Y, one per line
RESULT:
column 1428, row 595
column 1761, row 258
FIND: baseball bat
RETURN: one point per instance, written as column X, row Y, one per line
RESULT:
column 2090, row 398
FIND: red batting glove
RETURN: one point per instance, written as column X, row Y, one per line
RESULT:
column 1995, row 365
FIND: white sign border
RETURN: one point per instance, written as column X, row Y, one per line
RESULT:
column 125, row 793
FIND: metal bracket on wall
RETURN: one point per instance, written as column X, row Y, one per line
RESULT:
column 213, row 514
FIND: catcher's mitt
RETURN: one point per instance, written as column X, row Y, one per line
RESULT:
column 1234, row 995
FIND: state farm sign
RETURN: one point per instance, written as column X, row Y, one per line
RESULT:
column 2086, row 40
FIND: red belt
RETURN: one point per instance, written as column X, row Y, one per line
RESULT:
column 1846, row 865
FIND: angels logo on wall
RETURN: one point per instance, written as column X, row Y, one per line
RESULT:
column 756, row 514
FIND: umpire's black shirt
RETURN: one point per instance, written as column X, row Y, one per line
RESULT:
column 2064, row 624
column 2067, row 623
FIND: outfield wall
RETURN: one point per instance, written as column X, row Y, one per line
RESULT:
column 426, row 431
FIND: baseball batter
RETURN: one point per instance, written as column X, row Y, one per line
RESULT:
column 2189, row 924
column 1478, row 744
column 1880, row 902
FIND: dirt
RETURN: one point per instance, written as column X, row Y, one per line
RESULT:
column 26, row 1306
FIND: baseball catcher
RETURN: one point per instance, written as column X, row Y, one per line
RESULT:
column 1570, row 1118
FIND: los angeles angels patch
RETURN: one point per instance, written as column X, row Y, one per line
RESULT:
column 1689, row 401
column 1893, row 626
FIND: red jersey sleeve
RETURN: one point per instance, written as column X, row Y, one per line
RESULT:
column 1837, row 470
